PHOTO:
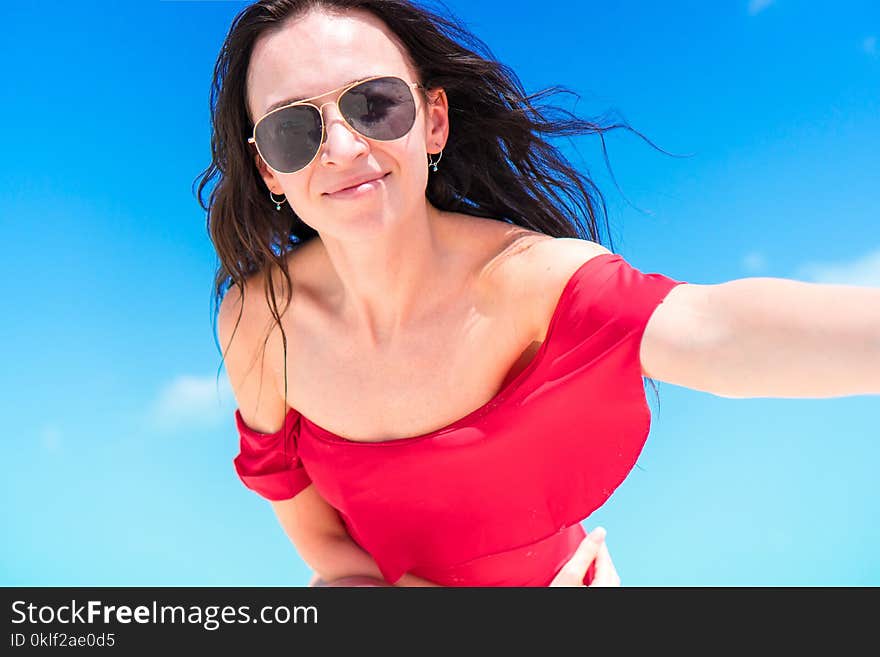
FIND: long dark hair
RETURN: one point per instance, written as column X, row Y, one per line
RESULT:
column 497, row 163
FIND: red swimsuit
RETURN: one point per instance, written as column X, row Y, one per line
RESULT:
column 495, row 498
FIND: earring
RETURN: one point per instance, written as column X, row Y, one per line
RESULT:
column 433, row 165
column 277, row 202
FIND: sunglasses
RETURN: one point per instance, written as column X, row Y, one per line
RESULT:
column 382, row 108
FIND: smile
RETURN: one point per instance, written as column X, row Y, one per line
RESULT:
column 360, row 190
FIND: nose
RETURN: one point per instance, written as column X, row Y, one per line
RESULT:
column 341, row 143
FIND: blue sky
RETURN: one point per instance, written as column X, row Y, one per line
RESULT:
column 120, row 447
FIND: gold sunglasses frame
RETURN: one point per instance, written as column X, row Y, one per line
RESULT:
column 320, row 108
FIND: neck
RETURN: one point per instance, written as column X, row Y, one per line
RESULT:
column 391, row 279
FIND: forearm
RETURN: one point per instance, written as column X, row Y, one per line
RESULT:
column 339, row 556
column 793, row 339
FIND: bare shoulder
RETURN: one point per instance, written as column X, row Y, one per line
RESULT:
column 242, row 327
column 241, row 310
column 248, row 312
column 548, row 264
column 534, row 276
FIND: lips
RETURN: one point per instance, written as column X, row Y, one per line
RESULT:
column 351, row 184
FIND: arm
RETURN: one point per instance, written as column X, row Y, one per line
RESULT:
column 313, row 526
column 320, row 538
column 767, row 337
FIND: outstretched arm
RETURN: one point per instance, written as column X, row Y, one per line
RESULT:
column 766, row 337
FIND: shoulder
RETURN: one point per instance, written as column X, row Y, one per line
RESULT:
column 547, row 264
column 239, row 310
column 250, row 303
column 533, row 277
column 243, row 324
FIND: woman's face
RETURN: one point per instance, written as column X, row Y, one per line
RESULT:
column 315, row 54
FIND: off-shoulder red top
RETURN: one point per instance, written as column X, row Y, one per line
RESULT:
column 496, row 497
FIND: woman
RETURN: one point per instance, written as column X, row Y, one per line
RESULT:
column 455, row 365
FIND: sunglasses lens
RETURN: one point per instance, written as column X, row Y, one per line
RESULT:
column 381, row 109
column 289, row 138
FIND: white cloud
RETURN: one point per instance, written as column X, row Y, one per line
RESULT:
column 864, row 271
column 869, row 45
column 757, row 6
column 754, row 262
column 192, row 402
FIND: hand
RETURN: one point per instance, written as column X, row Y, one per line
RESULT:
column 348, row 582
column 592, row 555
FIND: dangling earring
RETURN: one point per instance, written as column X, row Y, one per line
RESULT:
column 433, row 165
column 277, row 202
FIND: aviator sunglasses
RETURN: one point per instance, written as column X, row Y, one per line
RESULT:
column 382, row 108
